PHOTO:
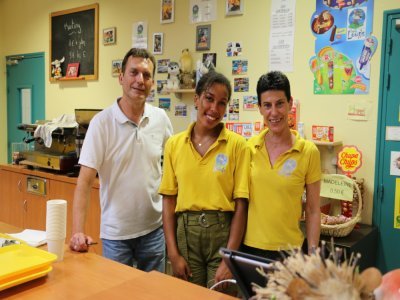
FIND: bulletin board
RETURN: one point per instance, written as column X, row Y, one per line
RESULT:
column 74, row 35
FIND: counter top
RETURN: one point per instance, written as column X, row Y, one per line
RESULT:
column 54, row 175
column 91, row 276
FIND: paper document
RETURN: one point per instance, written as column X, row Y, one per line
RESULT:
column 34, row 238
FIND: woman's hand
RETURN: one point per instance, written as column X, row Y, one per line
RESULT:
column 180, row 268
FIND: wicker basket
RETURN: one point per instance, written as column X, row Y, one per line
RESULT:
column 344, row 229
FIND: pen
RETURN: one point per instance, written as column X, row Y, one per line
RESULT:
column 92, row 243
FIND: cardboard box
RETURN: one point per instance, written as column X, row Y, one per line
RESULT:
column 322, row 133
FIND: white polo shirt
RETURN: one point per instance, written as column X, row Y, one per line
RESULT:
column 127, row 158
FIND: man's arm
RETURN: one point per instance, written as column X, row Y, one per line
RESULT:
column 313, row 214
column 179, row 265
column 79, row 240
column 238, row 227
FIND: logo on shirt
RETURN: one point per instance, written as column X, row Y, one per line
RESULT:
column 221, row 162
column 288, row 167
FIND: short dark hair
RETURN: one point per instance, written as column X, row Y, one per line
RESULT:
column 137, row 52
column 210, row 78
column 274, row 80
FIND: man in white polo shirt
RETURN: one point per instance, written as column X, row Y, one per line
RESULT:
column 124, row 144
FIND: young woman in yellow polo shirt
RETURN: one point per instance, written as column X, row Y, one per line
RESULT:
column 205, row 188
column 282, row 165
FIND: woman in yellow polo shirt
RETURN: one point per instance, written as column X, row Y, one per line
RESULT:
column 282, row 165
column 205, row 188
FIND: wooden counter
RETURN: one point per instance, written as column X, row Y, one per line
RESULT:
column 91, row 276
column 24, row 208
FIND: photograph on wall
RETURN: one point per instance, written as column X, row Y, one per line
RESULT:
column 344, row 46
column 162, row 65
column 210, row 60
column 250, row 102
column 158, row 42
column 233, row 49
column 109, row 36
column 233, row 109
column 241, row 84
column 164, row 103
column 202, row 11
column 139, row 35
column 239, row 67
column 397, row 205
column 233, row 7
column 181, row 110
column 161, row 86
column 116, row 67
column 167, row 11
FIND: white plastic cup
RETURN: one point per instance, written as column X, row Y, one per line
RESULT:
column 56, row 247
column 56, row 219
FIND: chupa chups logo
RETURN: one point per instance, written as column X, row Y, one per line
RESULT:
column 349, row 159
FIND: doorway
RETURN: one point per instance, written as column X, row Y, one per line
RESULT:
column 386, row 214
column 25, row 94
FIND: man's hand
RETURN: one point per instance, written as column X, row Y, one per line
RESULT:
column 80, row 242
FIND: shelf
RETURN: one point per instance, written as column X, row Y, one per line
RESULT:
column 179, row 92
column 70, row 78
column 330, row 145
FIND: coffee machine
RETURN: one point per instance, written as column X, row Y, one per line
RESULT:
column 60, row 156
column 63, row 154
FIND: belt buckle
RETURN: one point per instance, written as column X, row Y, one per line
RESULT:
column 203, row 221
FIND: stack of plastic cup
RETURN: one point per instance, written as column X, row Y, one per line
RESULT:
column 56, row 227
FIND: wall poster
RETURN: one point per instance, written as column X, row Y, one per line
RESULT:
column 344, row 46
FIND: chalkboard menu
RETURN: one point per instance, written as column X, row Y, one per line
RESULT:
column 74, row 36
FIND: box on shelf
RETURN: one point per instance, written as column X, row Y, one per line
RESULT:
column 322, row 133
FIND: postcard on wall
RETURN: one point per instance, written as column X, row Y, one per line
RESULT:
column 164, row 103
column 181, row 110
column 358, row 111
column 234, row 49
column 162, row 65
column 202, row 11
column 395, row 163
column 161, row 86
column 139, row 35
column 239, row 67
column 250, row 103
column 234, row 110
column 397, row 205
column 241, row 84
column 151, row 97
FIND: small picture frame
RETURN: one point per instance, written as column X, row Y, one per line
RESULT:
column 203, row 37
column 233, row 7
column 167, row 11
column 116, row 67
column 158, row 42
column 72, row 70
column 109, row 36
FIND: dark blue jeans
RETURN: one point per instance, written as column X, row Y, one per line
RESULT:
column 146, row 252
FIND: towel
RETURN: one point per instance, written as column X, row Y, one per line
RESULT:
column 44, row 131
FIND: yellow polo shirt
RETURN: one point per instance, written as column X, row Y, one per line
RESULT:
column 275, row 193
column 210, row 182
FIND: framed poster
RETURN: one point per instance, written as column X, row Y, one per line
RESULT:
column 233, row 7
column 167, row 11
column 203, row 37
column 158, row 43
column 72, row 70
column 116, row 67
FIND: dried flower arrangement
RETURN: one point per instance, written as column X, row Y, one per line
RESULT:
column 317, row 276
